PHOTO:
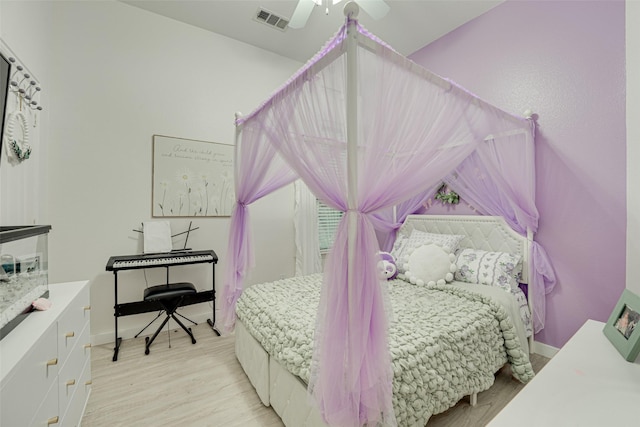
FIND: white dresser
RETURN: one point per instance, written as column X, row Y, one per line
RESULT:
column 586, row 384
column 45, row 362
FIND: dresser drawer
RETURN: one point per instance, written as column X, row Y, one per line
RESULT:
column 69, row 377
column 75, row 410
column 47, row 414
column 23, row 390
column 72, row 322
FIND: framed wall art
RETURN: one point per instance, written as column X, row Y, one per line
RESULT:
column 191, row 178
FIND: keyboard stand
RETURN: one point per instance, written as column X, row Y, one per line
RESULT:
column 132, row 262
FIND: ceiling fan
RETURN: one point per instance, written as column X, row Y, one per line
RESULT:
column 374, row 8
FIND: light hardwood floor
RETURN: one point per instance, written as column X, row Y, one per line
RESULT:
column 202, row 384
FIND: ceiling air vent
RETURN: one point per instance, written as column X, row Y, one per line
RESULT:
column 271, row 19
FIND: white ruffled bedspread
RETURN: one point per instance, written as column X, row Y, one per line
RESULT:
column 446, row 342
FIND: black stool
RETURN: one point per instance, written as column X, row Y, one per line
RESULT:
column 170, row 296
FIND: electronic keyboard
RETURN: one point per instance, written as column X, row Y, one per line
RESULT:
column 164, row 259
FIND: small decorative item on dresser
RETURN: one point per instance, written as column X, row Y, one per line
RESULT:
column 622, row 328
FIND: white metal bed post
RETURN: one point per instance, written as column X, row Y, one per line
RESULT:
column 351, row 12
column 235, row 150
column 529, row 114
column 530, row 273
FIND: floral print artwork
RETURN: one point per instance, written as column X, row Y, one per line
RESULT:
column 192, row 178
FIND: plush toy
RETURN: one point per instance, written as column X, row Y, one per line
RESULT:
column 387, row 265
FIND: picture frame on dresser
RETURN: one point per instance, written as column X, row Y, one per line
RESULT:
column 623, row 326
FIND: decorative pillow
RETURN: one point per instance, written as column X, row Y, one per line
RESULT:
column 404, row 245
column 398, row 245
column 499, row 269
column 430, row 264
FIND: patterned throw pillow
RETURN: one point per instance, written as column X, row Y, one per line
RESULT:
column 404, row 245
column 488, row 268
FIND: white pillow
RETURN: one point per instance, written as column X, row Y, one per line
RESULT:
column 430, row 264
column 498, row 269
column 404, row 245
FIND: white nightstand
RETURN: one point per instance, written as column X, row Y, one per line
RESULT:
column 587, row 384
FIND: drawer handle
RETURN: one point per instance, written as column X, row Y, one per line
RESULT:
column 70, row 335
column 87, row 346
column 88, row 382
column 87, row 307
column 52, row 362
column 71, row 382
column 53, row 420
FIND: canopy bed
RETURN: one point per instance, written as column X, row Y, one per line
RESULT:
column 446, row 342
column 366, row 130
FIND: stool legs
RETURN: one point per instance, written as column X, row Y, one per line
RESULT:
column 170, row 310
column 148, row 324
column 187, row 330
column 148, row 341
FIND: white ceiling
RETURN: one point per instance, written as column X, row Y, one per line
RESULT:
column 409, row 25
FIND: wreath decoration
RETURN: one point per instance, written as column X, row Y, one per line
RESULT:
column 446, row 196
column 18, row 135
column 17, row 150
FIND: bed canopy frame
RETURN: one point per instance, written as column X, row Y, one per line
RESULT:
column 367, row 129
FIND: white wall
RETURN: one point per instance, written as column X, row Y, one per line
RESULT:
column 633, row 144
column 23, row 186
column 118, row 75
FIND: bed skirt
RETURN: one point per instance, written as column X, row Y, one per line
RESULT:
column 276, row 387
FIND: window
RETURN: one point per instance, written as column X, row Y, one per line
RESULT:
column 328, row 220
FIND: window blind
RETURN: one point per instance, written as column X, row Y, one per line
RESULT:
column 328, row 220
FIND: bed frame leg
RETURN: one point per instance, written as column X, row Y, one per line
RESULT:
column 473, row 399
column 531, row 344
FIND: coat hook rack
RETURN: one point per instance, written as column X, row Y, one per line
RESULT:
column 24, row 86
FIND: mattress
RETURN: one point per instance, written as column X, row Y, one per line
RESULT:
column 446, row 342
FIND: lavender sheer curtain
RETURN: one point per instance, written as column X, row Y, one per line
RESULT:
column 258, row 172
column 388, row 223
column 412, row 128
column 499, row 179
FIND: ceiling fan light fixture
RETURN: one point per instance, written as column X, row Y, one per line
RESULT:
column 319, row 2
column 374, row 8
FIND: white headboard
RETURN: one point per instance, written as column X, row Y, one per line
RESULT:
column 489, row 233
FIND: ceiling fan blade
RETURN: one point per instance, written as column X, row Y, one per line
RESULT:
column 301, row 13
column 376, row 9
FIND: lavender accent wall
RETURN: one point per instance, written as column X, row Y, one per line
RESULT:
column 565, row 60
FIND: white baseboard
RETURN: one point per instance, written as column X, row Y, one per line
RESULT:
column 108, row 337
column 544, row 349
